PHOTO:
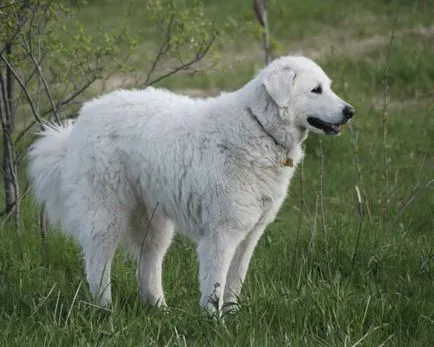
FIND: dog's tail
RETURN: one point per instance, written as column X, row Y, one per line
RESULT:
column 46, row 161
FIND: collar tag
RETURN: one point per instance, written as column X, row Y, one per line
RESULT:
column 288, row 162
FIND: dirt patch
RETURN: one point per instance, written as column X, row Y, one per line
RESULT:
column 399, row 105
column 335, row 43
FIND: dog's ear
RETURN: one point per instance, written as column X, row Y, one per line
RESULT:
column 278, row 85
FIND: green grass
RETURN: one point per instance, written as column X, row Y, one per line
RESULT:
column 375, row 284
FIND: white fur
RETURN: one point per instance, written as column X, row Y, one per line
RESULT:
column 203, row 166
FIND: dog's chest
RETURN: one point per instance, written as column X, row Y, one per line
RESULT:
column 271, row 184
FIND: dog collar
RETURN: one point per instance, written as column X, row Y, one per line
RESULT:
column 288, row 162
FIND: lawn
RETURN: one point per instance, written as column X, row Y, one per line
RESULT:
column 333, row 269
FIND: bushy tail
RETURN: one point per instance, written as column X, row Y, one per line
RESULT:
column 46, row 161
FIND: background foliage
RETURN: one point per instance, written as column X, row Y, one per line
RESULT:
column 334, row 269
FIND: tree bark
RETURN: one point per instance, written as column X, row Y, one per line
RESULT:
column 9, row 165
column 260, row 8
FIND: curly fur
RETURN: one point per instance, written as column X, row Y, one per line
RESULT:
column 215, row 169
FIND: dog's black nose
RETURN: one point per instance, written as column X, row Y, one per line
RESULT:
column 348, row 111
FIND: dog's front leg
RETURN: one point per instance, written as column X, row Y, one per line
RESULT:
column 215, row 255
column 239, row 265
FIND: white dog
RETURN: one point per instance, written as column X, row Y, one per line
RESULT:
column 138, row 164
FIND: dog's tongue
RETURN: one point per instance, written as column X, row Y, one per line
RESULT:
column 336, row 128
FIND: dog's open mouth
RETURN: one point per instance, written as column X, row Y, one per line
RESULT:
column 328, row 128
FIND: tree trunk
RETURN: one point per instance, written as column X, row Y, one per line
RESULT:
column 9, row 172
column 260, row 8
column 9, row 165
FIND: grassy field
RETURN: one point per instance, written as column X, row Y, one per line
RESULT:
column 330, row 271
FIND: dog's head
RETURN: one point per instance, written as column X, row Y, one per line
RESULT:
column 302, row 91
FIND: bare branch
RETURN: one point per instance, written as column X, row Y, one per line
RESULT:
column 359, row 169
column 7, row 214
column 11, row 4
column 164, row 48
column 20, row 25
column 300, row 218
column 321, row 201
column 44, row 81
column 64, row 102
column 386, row 192
column 412, row 196
column 23, row 87
column 73, row 95
column 199, row 56
column 359, row 232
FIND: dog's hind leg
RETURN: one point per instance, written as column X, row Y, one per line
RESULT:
column 99, row 244
column 150, row 240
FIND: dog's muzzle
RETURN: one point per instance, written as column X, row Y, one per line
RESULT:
column 333, row 128
column 328, row 128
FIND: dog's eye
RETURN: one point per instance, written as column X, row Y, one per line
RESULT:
column 317, row 90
